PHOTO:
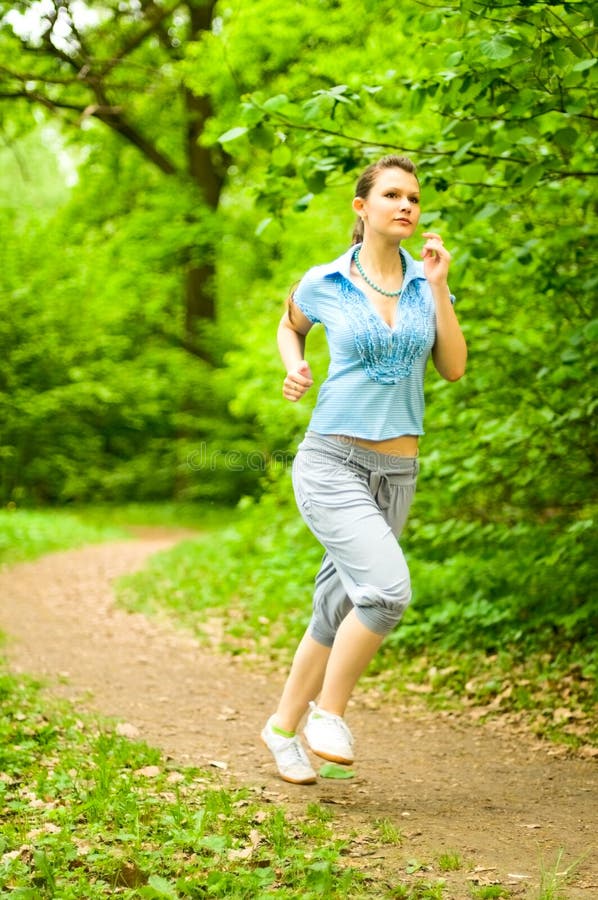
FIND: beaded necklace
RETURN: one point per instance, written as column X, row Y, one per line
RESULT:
column 371, row 283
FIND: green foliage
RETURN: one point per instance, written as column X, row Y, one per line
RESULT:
column 450, row 861
column 98, row 397
column 477, row 632
column 490, row 891
column 508, row 86
column 102, row 393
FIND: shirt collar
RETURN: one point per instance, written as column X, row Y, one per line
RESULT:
column 342, row 265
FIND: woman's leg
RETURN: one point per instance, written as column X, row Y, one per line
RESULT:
column 326, row 731
column 333, row 671
column 361, row 592
column 303, row 683
column 354, row 647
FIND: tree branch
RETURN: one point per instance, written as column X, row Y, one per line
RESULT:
column 36, row 97
column 110, row 115
column 365, row 142
column 52, row 48
column 115, row 120
column 426, row 151
column 32, row 76
column 158, row 14
column 576, row 37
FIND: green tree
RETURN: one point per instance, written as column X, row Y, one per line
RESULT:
column 116, row 64
column 496, row 102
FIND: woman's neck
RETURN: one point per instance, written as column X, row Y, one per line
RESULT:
column 381, row 259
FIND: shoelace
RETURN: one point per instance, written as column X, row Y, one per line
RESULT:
column 337, row 723
column 293, row 753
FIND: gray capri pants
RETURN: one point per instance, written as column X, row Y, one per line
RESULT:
column 356, row 502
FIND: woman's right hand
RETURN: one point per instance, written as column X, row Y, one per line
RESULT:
column 298, row 381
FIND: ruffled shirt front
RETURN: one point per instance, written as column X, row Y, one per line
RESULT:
column 375, row 383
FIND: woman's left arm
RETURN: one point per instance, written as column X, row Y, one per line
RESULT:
column 450, row 350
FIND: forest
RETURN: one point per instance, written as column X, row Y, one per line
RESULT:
column 168, row 170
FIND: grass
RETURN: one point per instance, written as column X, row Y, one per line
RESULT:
column 449, row 861
column 389, row 833
column 554, row 879
column 86, row 813
column 26, row 534
column 489, row 892
column 194, row 516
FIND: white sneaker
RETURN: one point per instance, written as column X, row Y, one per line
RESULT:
column 290, row 757
column 329, row 736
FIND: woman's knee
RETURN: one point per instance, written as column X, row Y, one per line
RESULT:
column 382, row 610
column 328, row 613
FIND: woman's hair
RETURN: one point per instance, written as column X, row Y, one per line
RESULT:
column 290, row 302
column 367, row 180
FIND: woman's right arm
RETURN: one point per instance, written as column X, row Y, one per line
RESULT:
column 291, row 344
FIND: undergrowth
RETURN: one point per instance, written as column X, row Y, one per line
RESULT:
column 469, row 639
column 87, row 813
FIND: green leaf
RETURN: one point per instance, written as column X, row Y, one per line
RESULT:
column 315, row 181
column 532, row 175
column 251, row 113
column 591, row 331
column 263, row 225
column 566, row 137
column 488, row 211
column 303, row 203
column 281, row 156
column 431, row 21
column 461, row 153
column 274, row 104
column 455, row 58
column 332, row 770
column 497, row 48
column 262, row 137
column 417, row 98
column 584, row 64
column 232, row 134
column 215, row 842
column 159, row 888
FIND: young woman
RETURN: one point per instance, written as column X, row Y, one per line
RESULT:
column 355, row 471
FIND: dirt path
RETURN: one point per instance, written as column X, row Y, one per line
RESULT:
column 506, row 803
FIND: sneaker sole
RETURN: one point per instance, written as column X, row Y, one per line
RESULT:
column 341, row 760
column 311, row 780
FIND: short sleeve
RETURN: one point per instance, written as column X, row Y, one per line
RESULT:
column 305, row 297
column 453, row 298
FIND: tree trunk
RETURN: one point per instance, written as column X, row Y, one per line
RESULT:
column 207, row 172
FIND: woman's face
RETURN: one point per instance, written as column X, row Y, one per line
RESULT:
column 391, row 209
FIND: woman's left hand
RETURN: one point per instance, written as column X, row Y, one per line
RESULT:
column 436, row 258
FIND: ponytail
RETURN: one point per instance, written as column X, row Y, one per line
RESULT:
column 290, row 303
column 357, row 236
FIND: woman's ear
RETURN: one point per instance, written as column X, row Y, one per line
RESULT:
column 358, row 205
